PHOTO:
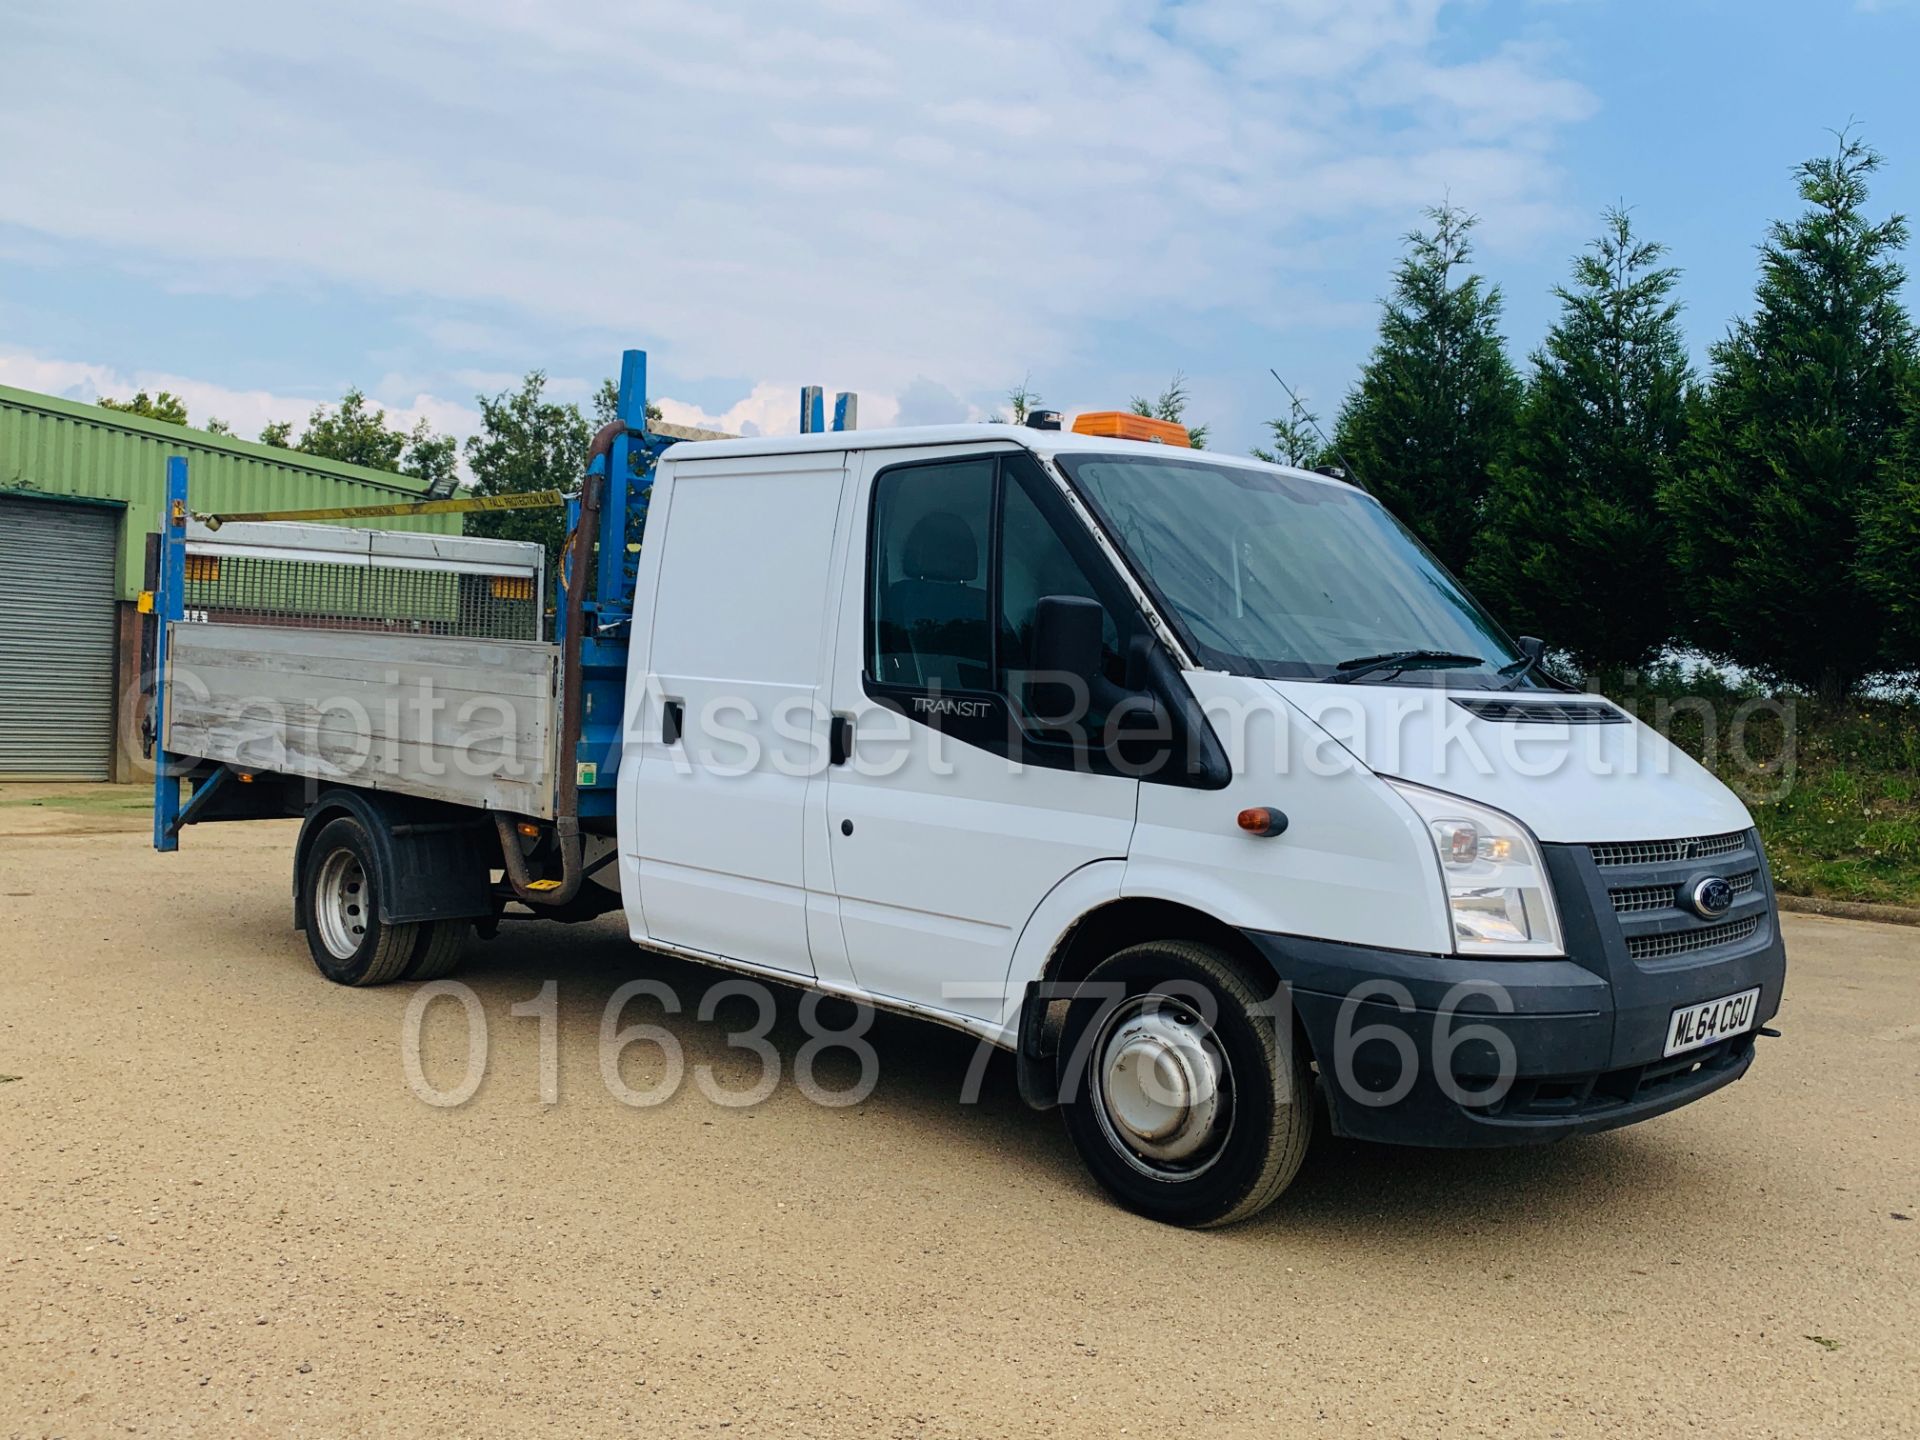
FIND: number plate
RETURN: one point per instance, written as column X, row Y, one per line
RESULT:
column 1695, row 1025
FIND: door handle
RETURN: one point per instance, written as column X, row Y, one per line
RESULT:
column 839, row 739
column 672, row 713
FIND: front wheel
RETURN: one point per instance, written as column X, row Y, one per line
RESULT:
column 1183, row 1090
column 340, row 909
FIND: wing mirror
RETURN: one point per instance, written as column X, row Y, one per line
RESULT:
column 1066, row 656
column 1066, row 636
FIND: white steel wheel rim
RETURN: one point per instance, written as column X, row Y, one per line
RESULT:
column 1162, row 1088
column 342, row 904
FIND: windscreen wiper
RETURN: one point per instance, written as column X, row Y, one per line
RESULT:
column 1397, row 660
column 1532, row 661
column 1519, row 670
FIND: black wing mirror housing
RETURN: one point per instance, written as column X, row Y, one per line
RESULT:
column 1066, row 656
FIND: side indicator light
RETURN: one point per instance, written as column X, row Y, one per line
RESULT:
column 1263, row 820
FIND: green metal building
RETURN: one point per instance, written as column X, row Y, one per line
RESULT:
column 80, row 491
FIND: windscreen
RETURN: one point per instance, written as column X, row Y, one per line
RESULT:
column 1279, row 575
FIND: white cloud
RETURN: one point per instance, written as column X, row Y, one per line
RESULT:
column 863, row 193
column 246, row 411
column 772, row 408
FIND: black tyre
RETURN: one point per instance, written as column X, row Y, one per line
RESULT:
column 436, row 954
column 339, row 906
column 1185, row 1096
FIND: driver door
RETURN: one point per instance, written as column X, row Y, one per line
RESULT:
column 949, row 818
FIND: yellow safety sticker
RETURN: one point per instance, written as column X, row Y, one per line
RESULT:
column 543, row 885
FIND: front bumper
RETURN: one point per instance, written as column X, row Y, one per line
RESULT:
column 1448, row 1051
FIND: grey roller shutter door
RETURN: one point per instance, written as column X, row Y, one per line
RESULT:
column 56, row 639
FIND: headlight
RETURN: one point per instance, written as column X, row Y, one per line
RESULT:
column 1498, row 895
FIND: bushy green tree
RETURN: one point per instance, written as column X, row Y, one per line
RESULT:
column 1890, row 542
column 526, row 443
column 354, row 432
column 1573, row 545
column 1435, row 405
column 1806, row 397
column 432, row 458
column 357, row 433
column 1170, row 404
column 165, row 406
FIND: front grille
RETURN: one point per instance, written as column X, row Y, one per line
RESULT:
column 1665, row 943
column 1632, row 899
column 1667, row 852
column 1642, row 897
column 1542, row 712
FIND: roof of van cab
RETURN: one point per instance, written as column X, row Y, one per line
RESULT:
column 1042, row 442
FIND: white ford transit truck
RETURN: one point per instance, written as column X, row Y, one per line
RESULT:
column 1194, row 782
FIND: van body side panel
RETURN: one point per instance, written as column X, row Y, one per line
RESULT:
column 735, row 659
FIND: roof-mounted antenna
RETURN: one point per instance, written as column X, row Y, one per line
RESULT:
column 1349, row 473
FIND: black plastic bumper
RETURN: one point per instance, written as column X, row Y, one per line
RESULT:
column 1528, row 1051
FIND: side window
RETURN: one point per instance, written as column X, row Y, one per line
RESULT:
column 930, row 602
column 1035, row 562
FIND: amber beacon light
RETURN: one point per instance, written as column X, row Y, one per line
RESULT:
column 1125, row 425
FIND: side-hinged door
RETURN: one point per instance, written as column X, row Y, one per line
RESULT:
column 952, row 807
column 732, row 722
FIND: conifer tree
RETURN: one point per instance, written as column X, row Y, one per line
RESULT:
column 1574, row 547
column 1806, row 397
column 1890, row 544
column 1435, row 406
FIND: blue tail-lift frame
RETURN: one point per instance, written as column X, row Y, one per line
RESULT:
column 170, row 812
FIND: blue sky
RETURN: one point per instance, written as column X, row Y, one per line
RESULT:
column 922, row 203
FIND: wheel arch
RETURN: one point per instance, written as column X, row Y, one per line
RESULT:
column 1096, row 932
column 432, row 858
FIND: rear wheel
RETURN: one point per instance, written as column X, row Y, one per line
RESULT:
column 437, row 952
column 1184, row 1093
column 340, row 906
